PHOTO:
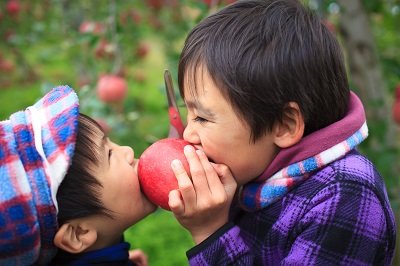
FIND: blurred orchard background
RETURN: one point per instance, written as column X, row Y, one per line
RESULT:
column 113, row 53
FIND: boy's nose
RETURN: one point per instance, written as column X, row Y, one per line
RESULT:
column 129, row 154
column 190, row 135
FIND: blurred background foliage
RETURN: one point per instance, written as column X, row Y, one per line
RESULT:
column 113, row 53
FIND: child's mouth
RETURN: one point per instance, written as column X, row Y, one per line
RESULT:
column 198, row 147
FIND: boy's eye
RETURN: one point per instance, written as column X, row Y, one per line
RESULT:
column 200, row 119
column 109, row 153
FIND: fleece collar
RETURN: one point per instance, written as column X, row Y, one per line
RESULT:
column 295, row 164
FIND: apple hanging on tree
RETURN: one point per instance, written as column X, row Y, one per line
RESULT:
column 13, row 7
column 329, row 25
column 155, row 4
column 92, row 27
column 104, row 49
column 6, row 66
column 142, row 49
column 155, row 173
column 111, row 88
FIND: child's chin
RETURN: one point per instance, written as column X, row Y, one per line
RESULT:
column 149, row 205
column 151, row 209
column 154, row 208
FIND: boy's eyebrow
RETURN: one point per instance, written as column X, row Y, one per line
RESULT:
column 198, row 106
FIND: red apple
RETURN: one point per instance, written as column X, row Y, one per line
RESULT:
column 142, row 49
column 155, row 4
column 329, row 25
column 104, row 49
column 135, row 16
column 155, row 173
column 132, row 14
column 6, row 66
column 92, row 27
column 99, row 28
column 13, row 7
column 211, row 3
column 111, row 88
column 86, row 27
column 155, row 22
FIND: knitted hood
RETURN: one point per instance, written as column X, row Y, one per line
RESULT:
column 36, row 148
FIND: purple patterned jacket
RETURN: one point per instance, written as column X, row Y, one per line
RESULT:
column 340, row 216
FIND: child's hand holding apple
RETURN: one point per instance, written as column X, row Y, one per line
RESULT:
column 200, row 192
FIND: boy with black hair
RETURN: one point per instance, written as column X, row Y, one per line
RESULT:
column 270, row 110
column 65, row 184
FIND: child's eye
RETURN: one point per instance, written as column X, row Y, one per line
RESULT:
column 109, row 153
column 200, row 119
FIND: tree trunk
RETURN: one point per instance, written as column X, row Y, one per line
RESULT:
column 367, row 78
column 365, row 71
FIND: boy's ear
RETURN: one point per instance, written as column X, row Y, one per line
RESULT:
column 291, row 129
column 75, row 237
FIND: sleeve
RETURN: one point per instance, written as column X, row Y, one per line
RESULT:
column 224, row 247
column 346, row 224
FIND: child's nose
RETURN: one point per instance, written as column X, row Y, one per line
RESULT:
column 129, row 154
column 190, row 134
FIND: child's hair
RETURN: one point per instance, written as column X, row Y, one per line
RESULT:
column 262, row 54
column 79, row 193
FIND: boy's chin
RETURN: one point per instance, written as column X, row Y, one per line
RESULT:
column 153, row 208
column 150, row 206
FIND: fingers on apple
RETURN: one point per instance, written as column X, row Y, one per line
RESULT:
column 175, row 202
column 213, row 179
column 224, row 173
column 185, row 184
column 197, row 171
column 226, row 177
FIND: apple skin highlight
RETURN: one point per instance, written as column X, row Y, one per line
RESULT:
column 154, row 169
